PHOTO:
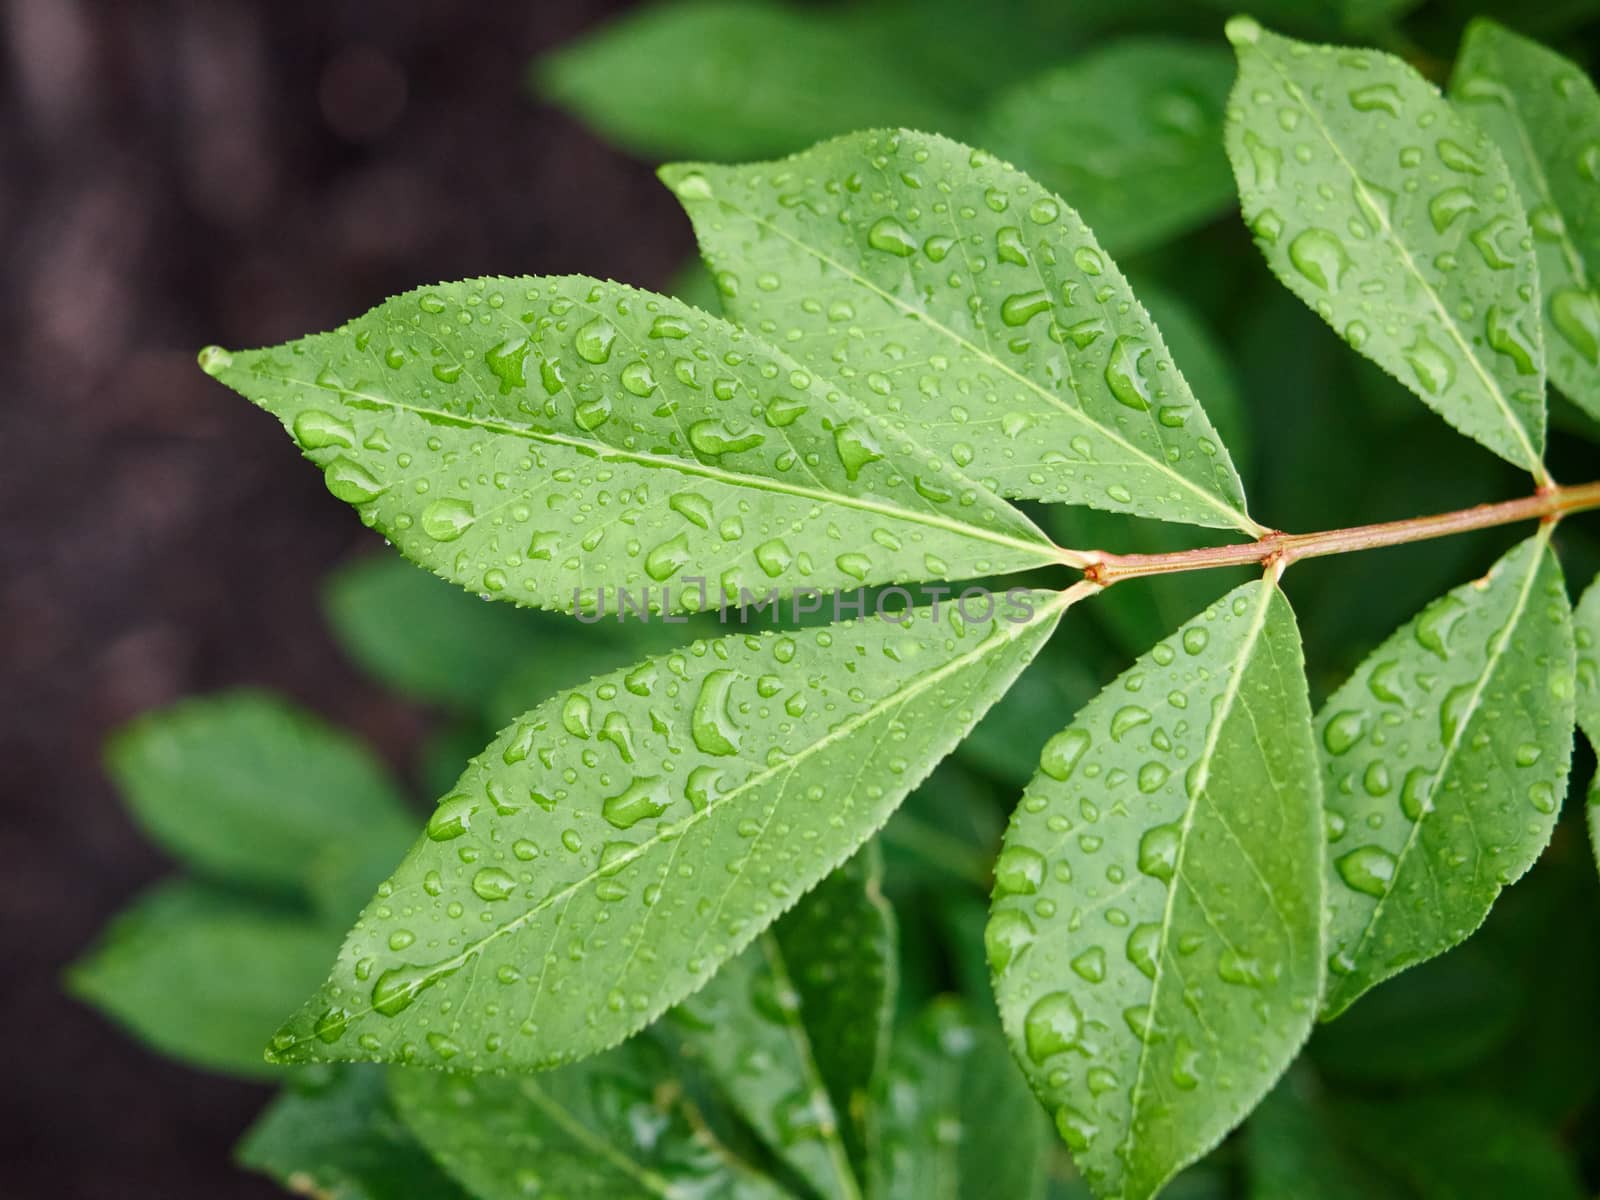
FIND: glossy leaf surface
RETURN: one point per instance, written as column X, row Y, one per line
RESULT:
column 1544, row 115
column 1393, row 216
column 606, row 854
column 1129, row 135
column 795, row 1030
column 1156, row 926
column 1445, row 760
column 539, row 440
column 971, row 306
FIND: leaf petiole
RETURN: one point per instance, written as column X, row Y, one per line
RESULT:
column 1280, row 549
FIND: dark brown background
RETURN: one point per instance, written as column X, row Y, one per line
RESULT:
column 173, row 174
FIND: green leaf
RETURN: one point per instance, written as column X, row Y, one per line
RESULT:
column 956, row 1118
column 616, row 1126
column 1156, row 926
column 425, row 639
column 1409, row 241
column 977, row 306
column 1293, row 1147
column 1200, row 355
column 203, row 975
column 796, row 1028
column 1460, row 1146
column 549, row 441
column 733, row 80
column 605, row 855
column 1586, row 636
column 1543, row 113
column 247, row 787
column 340, row 1139
column 1131, row 134
column 1445, row 759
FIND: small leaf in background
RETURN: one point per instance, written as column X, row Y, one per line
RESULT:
column 1586, row 637
column 416, row 634
column 617, row 1126
column 1130, row 135
column 248, row 788
column 1156, row 926
column 956, row 1118
column 1293, row 1148
column 204, row 975
column 547, row 441
column 974, row 310
column 1459, row 1146
column 339, row 1138
column 795, row 1029
column 730, row 80
column 607, row 853
column 1544, row 114
column 1445, row 761
column 1392, row 232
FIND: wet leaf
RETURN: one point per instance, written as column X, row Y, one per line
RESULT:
column 617, row 1126
column 248, row 788
column 204, row 975
column 340, row 1139
column 607, row 853
column 969, row 306
column 1445, row 760
column 1544, row 115
column 957, row 1120
column 551, row 441
column 1393, row 216
column 1156, row 926
column 1586, row 636
column 795, row 1030
column 1130, row 135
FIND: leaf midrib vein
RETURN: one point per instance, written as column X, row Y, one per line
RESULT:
column 838, row 1159
column 990, row 644
column 1491, row 665
column 1534, row 461
column 1236, row 518
column 600, row 450
column 1213, row 736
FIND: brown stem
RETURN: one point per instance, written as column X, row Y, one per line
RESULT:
column 1278, row 549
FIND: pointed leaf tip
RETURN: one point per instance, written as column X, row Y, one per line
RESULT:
column 1242, row 30
column 214, row 360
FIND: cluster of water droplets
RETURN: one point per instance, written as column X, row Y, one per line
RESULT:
column 1392, row 215
column 972, row 308
column 1570, row 299
column 1084, row 921
column 539, row 440
column 1444, row 760
column 608, row 823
